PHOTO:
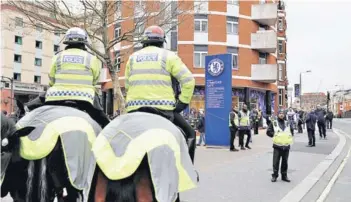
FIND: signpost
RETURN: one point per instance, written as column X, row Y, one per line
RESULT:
column 218, row 98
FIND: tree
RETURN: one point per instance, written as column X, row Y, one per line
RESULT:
column 96, row 16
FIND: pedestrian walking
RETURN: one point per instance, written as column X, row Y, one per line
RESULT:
column 233, row 127
column 291, row 119
column 311, row 120
column 255, row 120
column 321, row 114
column 201, row 129
column 329, row 119
column 300, row 120
column 280, row 131
column 244, row 127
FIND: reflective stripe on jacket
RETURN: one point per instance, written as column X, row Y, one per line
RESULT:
column 282, row 137
column 73, row 76
column 148, row 79
column 244, row 119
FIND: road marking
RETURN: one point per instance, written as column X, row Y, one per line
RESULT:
column 300, row 190
column 331, row 183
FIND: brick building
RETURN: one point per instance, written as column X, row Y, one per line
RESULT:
column 254, row 32
column 311, row 100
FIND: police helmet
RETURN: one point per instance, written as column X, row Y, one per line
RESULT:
column 76, row 35
column 153, row 34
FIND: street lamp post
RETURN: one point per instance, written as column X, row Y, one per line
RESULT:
column 301, row 86
column 11, row 80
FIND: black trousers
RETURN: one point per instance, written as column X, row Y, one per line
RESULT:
column 95, row 113
column 311, row 137
column 299, row 127
column 241, row 137
column 233, row 131
column 322, row 129
column 283, row 155
column 255, row 124
column 329, row 123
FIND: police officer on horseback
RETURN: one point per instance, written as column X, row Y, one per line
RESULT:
column 73, row 75
column 152, row 78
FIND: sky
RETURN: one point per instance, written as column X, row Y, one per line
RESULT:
column 319, row 39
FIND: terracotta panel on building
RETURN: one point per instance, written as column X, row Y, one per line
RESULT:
column 245, row 7
column 246, row 27
column 220, row 6
column 214, row 49
column 271, row 59
column 216, row 29
column 127, row 26
column 185, row 52
column 186, row 25
column 246, row 58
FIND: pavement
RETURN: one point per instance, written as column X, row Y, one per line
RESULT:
column 245, row 175
column 321, row 173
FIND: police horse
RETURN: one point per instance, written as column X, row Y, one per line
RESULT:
column 51, row 156
column 142, row 157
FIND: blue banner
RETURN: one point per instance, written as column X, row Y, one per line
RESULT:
column 297, row 90
column 218, row 98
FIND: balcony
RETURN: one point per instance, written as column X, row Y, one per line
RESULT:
column 265, row 73
column 265, row 14
column 264, row 41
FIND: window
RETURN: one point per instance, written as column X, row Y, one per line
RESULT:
column 280, row 24
column 39, row 27
column 139, row 27
column 201, row 23
column 117, row 32
column 37, row 62
column 261, row 28
column 37, row 79
column 234, row 52
column 232, row 25
column 118, row 63
column 235, row 61
column 18, row 40
column 280, row 73
column 19, row 22
column 280, row 97
column 262, row 58
column 233, row 2
column 17, row 76
column 280, row 46
column 18, row 58
column 57, row 33
column 38, row 44
column 200, row 52
column 56, row 48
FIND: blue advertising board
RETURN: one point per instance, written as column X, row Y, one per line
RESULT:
column 218, row 98
column 297, row 90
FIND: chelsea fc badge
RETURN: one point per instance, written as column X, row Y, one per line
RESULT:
column 215, row 67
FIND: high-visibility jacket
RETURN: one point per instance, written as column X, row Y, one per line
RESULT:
column 148, row 76
column 122, row 145
column 282, row 137
column 244, row 118
column 236, row 119
column 73, row 76
column 76, row 131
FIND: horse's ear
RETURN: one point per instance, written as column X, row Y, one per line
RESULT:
column 23, row 131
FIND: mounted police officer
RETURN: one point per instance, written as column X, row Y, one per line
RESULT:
column 152, row 78
column 280, row 130
column 73, row 75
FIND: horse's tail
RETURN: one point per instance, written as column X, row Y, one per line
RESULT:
column 30, row 179
column 43, row 185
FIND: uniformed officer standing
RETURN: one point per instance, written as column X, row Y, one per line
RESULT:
column 73, row 75
column 151, row 77
column 233, row 127
column 244, row 127
column 280, row 130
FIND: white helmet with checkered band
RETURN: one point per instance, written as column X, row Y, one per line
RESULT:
column 76, row 35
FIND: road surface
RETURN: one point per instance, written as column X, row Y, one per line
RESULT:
column 245, row 175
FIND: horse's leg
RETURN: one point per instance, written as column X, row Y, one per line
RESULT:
column 100, row 188
column 144, row 190
column 43, row 191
